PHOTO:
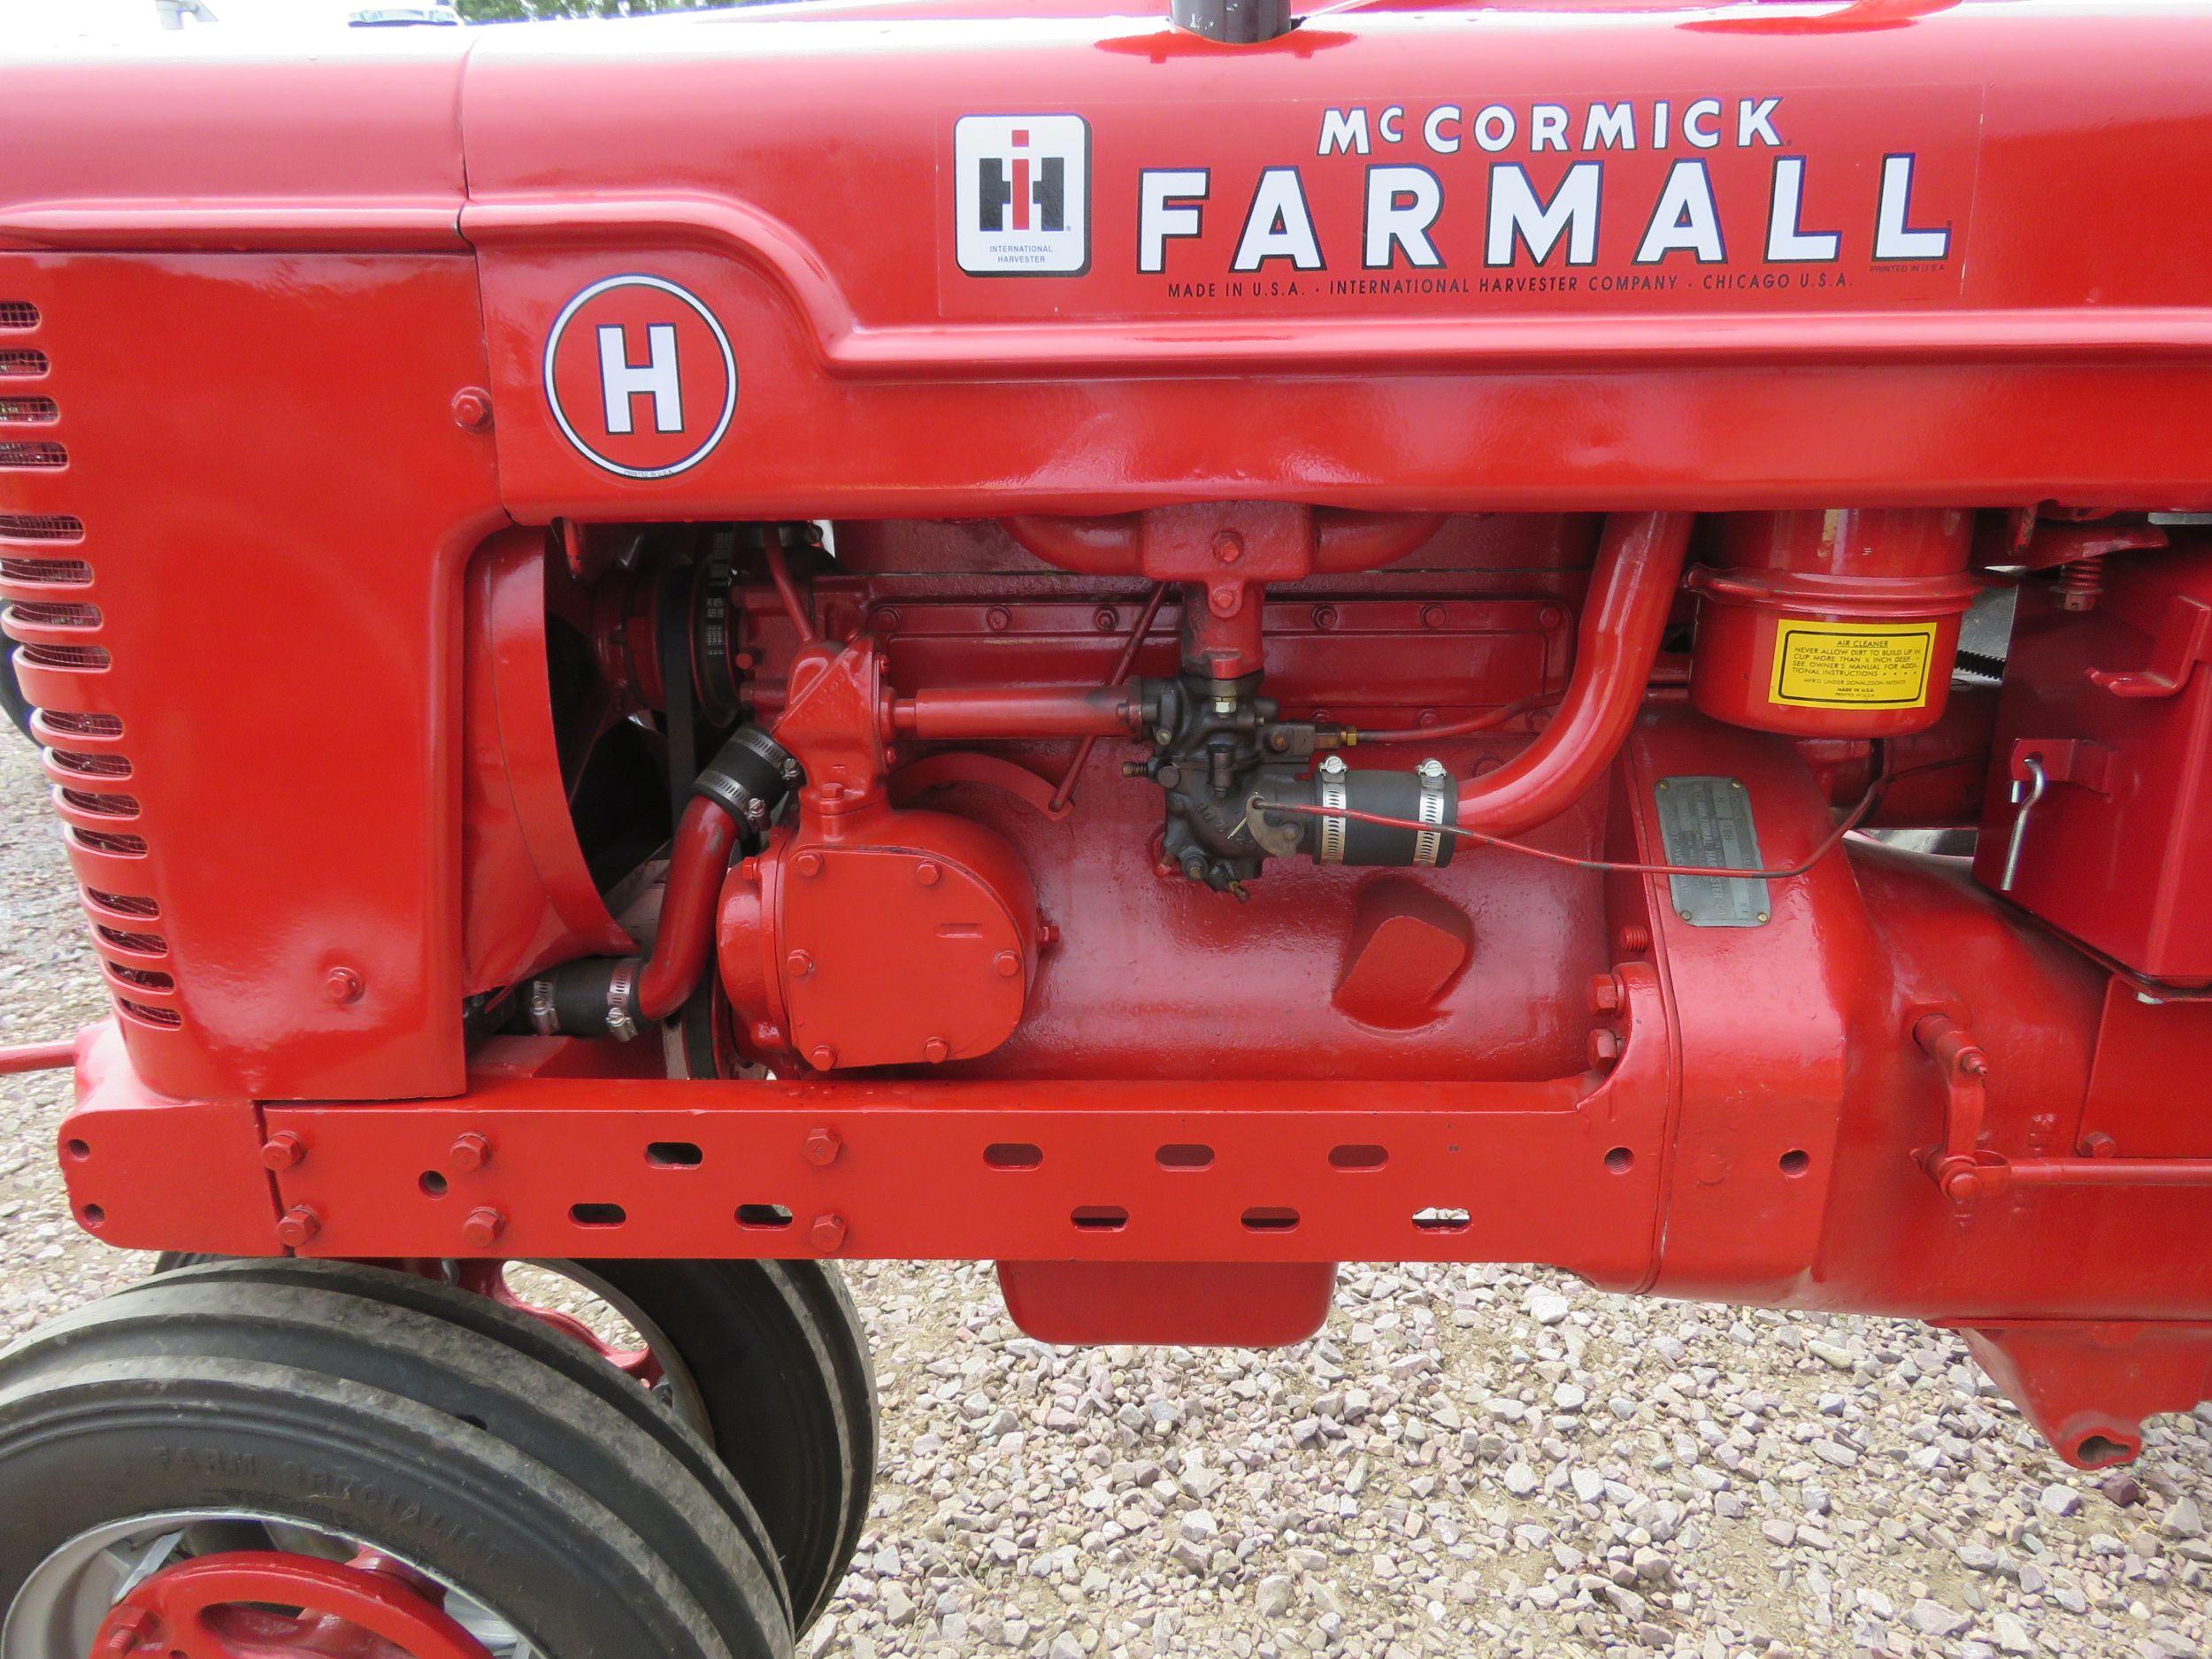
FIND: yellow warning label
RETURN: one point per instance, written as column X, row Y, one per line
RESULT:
column 1852, row 664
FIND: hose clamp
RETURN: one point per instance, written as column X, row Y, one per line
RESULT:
column 1436, row 787
column 621, row 987
column 726, row 792
column 1333, row 793
column 545, row 1018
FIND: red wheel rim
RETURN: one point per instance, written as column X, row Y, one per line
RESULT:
column 229, row 1607
column 489, row 1279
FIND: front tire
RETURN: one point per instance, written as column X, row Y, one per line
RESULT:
column 769, row 1363
column 258, row 1414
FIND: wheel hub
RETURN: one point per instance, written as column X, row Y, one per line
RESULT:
column 272, row 1604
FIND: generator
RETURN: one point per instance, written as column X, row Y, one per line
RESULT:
column 1162, row 647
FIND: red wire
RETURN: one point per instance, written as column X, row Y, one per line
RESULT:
column 1851, row 821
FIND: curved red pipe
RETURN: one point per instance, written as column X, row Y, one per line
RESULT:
column 1089, row 547
column 1632, row 593
column 1348, row 541
column 704, row 841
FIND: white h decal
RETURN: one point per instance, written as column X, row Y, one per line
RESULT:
column 622, row 380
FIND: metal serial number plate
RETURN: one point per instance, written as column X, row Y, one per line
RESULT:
column 1707, row 821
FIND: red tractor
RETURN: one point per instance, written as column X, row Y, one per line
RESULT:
column 1166, row 650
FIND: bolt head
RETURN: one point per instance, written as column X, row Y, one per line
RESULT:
column 800, row 963
column 829, row 1233
column 1605, row 1046
column 1334, row 766
column 469, row 1152
column 472, row 409
column 936, row 1051
column 1606, row 994
column 282, row 1151
column 825, row 1058
column 808, row 864
column 1009, row 963
column 482, row 1228
column 342, row 986
column 821, row 1148
column 1962, row 1186
column 998, row 618
column 928, row 874
column 1228, row 546
column 756, row 810
column 298, row 1226
column 1432, row 769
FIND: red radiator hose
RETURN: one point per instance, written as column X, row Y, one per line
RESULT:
column 1632, row 593
column 704, row 841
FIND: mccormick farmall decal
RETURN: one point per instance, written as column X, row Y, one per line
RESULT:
column 1771, row 198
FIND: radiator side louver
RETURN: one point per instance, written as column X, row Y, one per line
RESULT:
column 48, row 608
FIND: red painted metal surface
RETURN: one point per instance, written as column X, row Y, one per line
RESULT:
column 705, row 837
column 1835, row 624
column 2087, row 1385
column 2112, row 853
column 230, row 1606
column 1251, row 1304
column 374, row 484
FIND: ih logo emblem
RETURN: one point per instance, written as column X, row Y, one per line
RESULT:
column 640, row 377
column 1022, row 191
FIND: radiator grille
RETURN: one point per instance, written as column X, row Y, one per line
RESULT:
column 138, row 944
column 46, row 573
column 141, row 979
column 84, row 754
column 102, row 842
column 64, row 655
column 89, row 765
column 81, row 724
column 33, row 613
column 102, row 805
column 122, row 903
column 40, row 527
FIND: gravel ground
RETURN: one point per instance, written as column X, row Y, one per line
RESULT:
column 1469, row 1462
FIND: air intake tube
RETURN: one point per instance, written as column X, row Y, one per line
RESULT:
column 1329, row 834
column 617, row 997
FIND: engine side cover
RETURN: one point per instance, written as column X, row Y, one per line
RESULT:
column 909, row 938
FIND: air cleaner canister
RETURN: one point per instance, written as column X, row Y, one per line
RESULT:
column 1836, row 624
